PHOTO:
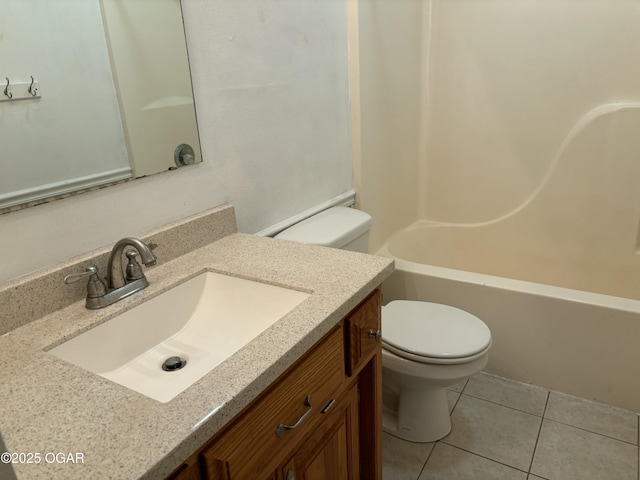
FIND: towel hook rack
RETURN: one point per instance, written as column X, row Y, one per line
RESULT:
column 6, row 89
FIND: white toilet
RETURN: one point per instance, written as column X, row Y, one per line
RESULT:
column 426, row 347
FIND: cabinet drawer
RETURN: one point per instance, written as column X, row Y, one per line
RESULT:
column 253, row 445
column 364, row 327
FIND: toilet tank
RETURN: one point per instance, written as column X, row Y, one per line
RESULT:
column 337, row 227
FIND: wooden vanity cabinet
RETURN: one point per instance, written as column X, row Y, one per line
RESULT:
column 331, row 451
column 320, row 420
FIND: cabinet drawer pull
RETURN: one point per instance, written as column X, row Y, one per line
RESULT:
column 376, row 333
column 291, row 475
column 282, row 428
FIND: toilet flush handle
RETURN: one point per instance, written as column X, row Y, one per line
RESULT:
column 376, row 333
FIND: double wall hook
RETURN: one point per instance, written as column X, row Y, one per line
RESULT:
column 11, row 91
column 6, row 89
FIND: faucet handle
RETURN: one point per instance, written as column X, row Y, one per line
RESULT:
column 74, row 277
column 133, row 270
column 95, row 286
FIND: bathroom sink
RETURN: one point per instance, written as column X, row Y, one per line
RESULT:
column 202, row 322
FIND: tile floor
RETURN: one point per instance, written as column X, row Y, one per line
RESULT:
column 506, row 430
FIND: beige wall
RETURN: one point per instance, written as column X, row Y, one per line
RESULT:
column 389, row 59
column 578, row 231
column 507, row 81
column 469, row 108
column 518, row 120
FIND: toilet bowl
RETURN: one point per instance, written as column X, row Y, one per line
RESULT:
column 426, row 347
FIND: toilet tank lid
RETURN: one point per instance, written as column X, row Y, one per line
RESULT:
column 334, row 227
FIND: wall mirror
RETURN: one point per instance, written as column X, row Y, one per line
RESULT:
column 93, row 92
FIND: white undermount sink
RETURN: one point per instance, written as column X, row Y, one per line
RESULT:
column 204, row 321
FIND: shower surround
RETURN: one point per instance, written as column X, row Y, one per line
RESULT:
column 501, row 151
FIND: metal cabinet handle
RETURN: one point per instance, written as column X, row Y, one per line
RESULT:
column 376, row 333
column 282, row 428
column 328, row 406
column 291, row 475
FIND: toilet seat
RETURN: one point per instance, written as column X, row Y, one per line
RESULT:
column 433, row 333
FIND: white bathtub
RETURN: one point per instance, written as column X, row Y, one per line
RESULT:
column 573, row 341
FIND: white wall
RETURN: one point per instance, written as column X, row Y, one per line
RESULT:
column 271, row 87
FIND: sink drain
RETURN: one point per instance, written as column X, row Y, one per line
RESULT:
column 173, row 363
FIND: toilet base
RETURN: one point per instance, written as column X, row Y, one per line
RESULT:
column 423, row 415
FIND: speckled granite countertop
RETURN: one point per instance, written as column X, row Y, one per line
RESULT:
column 48, row 405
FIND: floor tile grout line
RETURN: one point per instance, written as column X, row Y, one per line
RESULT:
column 482, row 456
column 424, row 465
column 550, row 419
column 535, row 447
column 507, row 406
column 529, row 473
column 543, row 478
column 455, row 404
column 466, row 382
column 556, row 392
column 590, row 431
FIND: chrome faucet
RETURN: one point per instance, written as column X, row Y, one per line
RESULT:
column 118, row 285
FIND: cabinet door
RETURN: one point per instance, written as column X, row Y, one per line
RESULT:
column 364, row 332
column 331, row 452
